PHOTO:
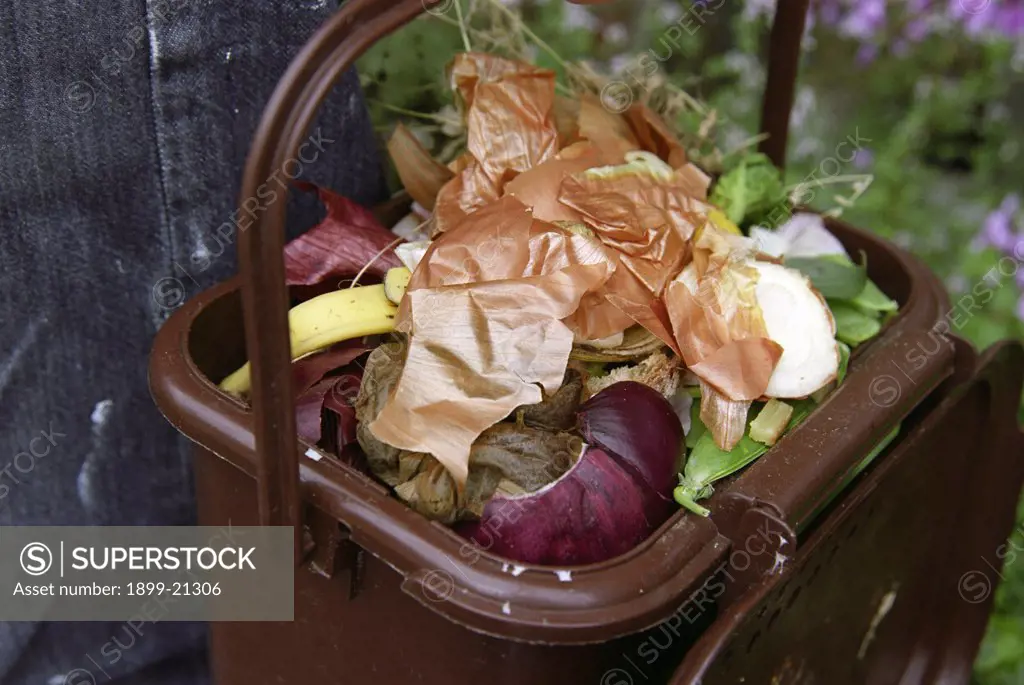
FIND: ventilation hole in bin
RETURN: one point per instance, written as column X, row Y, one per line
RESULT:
column 727, row 657
column 762, row 610
column 773, row 618
column 814, row 573
column 832, row 552
column 852, row 531
column 753, row 641
column 792, row 597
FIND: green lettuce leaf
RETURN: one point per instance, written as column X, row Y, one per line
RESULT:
column 749, row 191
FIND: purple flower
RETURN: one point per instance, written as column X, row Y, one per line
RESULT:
column 830, row 12
column 863, row 158
column 988, row 17
column 976, row 24
column 917, row 29
column 864, row 20
column 997, row 230
column 867, row 53
column 1012, row 20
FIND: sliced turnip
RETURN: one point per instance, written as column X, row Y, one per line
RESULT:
column 798, row 319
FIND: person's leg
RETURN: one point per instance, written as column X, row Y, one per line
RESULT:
column 123, row 130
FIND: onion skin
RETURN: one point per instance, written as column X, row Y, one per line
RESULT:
column 605, row 504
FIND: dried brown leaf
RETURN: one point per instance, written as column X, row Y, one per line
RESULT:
column 422, row 176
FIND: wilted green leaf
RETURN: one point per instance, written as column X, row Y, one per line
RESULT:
column 835, row 276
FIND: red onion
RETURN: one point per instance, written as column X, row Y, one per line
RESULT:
column 635, row 422
column 612, row 499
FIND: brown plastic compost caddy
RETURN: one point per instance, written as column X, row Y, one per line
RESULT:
column 808, row 570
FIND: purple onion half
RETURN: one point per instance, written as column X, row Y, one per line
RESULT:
column 612, row 499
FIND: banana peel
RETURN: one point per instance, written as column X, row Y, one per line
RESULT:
column 395, row 283
column 333, row 317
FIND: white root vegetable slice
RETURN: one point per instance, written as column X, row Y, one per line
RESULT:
column 798, row 319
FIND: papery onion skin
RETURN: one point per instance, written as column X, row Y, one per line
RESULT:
column 604, row 505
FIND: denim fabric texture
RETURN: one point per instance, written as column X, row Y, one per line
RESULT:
column 124, row 126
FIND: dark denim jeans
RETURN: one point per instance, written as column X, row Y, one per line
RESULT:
column 124, row 125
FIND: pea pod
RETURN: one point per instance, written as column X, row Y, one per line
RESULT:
column 708, row 463
column 872, row 299
column 844, row 362
column 697, row 427
column 853, row 326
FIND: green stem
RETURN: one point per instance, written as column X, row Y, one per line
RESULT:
column 412, row 113
column 748, row 143
column 832, row 180
column 685, row 498
column 516, row 19
column 462, row 26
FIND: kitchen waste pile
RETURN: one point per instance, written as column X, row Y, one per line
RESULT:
column 575, row 323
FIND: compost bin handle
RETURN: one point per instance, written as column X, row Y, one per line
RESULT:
column 288, row 115
column 780, row 85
